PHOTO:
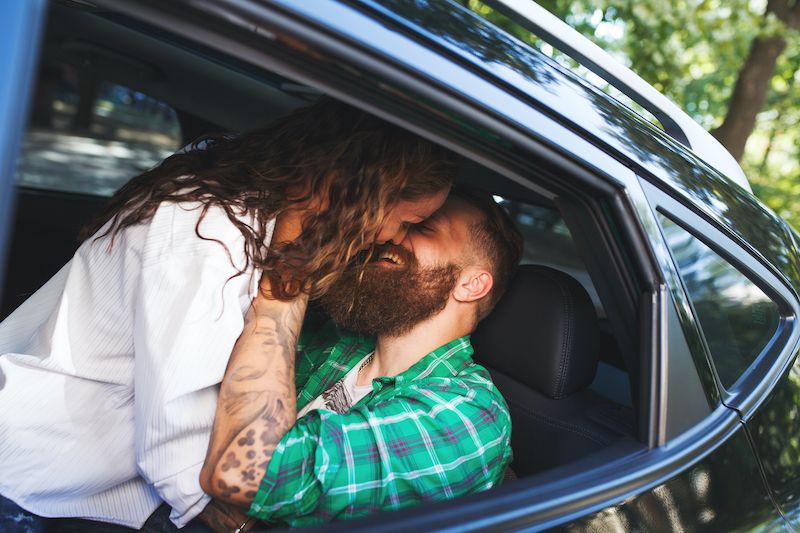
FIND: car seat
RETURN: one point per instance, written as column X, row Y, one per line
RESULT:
column 540, row 346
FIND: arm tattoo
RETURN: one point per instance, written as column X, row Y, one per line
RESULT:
column 257, row 403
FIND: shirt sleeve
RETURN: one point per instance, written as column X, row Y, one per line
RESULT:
column 420, row 445
column 189, row 311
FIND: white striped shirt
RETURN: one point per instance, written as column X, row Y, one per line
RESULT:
column 109, row 373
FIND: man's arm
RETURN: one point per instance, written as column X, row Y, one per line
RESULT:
column 257, row 403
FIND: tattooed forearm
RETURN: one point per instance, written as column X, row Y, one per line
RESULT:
column 257, row 400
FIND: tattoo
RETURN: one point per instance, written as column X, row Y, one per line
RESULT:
column 256, row 404
column 226, row 490
column 248, row 439
column 230, row 462
column 222, row 517
column 235, row 403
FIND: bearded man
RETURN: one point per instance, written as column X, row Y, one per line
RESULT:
column 386, row 408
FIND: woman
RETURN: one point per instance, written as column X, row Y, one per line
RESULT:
column 109, row 371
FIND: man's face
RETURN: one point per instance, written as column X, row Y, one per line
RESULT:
column 403, row 285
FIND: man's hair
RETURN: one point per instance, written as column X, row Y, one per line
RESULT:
column 496, row 239
column 358, row 164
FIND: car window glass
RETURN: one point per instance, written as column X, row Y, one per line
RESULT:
column 736, row 317
column 548, row 242
column 91, row 136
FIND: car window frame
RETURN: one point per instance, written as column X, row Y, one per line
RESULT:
column 24, row 19
column 754, row 385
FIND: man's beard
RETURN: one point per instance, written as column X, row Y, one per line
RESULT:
column 389, row 301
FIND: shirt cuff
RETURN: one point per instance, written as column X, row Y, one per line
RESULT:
column 182, row 492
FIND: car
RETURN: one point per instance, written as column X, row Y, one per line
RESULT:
column 647, row 348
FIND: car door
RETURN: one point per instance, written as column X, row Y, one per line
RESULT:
column 19, row 41
column 683, row 471
column 775, row 429
column 747, row 324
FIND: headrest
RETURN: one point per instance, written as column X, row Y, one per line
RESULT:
column 543, row 333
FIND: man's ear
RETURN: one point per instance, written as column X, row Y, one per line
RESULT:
column 473, row 284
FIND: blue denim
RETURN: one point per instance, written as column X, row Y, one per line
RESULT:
column 15, row 519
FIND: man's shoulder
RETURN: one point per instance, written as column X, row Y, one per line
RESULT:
column 471, row 386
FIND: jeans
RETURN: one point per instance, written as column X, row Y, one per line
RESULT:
column 15, row 519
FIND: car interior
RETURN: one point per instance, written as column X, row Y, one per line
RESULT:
column 115, row 96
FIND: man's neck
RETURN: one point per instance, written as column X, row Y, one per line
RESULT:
column 395, row 355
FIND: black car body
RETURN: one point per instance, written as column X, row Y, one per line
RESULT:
column 695, row 281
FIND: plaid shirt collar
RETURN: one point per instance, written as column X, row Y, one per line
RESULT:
column 445, row 361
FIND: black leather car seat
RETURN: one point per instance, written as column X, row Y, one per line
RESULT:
column 540, row 345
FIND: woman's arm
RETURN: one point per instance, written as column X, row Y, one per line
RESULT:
column 257, row 403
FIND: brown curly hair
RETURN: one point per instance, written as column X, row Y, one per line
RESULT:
column 358, row 165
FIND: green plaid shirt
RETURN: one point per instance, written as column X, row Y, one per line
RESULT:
column 439, row 430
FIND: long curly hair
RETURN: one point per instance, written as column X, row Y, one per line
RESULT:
column 358, row 165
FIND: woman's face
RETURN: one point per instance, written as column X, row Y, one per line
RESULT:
column 407, row 213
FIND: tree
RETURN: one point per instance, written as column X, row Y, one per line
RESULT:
column 753, row 83
column 704, row 54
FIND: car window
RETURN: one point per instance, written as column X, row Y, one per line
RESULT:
column 736, row 317
column 90, row 136
column 548, row 242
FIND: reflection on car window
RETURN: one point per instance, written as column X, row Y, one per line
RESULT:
column 90, row 136
column 736, row 317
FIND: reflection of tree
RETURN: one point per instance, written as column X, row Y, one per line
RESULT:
column 737, row 318
column 722, row 493
column 472, row 36
column 737, row 208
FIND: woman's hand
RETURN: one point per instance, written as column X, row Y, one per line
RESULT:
column 257, row 403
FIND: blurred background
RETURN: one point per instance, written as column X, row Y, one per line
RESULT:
column 733, row 65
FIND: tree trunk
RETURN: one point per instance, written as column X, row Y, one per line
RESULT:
column 750, row 91
column 749, row 94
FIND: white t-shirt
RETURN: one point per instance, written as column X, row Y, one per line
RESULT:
column 109, row 373
column 343, row 394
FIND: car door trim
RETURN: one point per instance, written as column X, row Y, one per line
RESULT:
column 22, row 24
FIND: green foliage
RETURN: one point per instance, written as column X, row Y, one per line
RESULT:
column 692, row 51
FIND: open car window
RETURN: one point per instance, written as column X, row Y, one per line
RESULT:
column 73, row 147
